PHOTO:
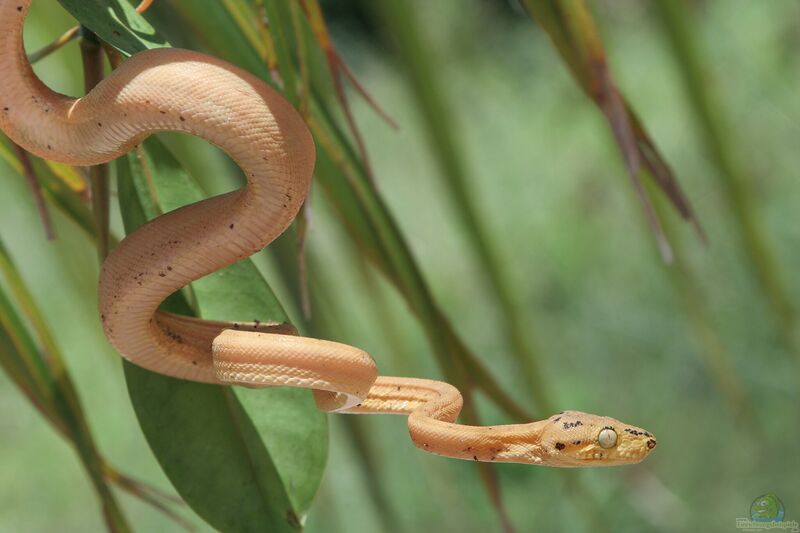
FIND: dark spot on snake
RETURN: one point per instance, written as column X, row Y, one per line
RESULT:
column 5, row 109
column 181, row 117
column 194, row 363
column 556, row 420
column 169, row 268
column 162, row 112
column 475, row 457
column 608, row 427
column 162, row 274
column 19, row 8
column 426, row 445
column 576, row 442
column 651, row 444
column 49, row 147
column 492, row 459
column 398, row 388
column 560, row 446
column 100, row 124
column 231, row 226
column 570, row 425
column 235, row 325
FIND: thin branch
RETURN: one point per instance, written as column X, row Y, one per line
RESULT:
column 320, row 30
column 148, row 494
column 67, row 37
column 371, row 101
column 92, row 56
column 143, row 6
column 303, row 225
column 36, row 190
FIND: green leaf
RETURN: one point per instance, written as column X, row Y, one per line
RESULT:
column 244, row 459
column 280, row 24
column 117, row 23
column 207, row 24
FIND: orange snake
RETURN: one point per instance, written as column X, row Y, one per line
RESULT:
column 184, row 91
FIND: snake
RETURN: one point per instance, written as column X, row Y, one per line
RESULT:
column 170, row 89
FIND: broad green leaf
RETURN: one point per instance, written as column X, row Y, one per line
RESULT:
column 281, row 461
column 117, row 23
column 244, row 459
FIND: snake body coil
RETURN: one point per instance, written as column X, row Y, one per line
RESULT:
column 184, row 91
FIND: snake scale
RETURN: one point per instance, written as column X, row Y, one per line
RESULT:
column 184, row 91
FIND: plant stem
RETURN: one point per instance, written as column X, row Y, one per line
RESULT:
column 92, row 56
column 36, row 190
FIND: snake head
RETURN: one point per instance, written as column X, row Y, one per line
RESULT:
column 575, row 439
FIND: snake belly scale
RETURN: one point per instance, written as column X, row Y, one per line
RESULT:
column 184, row 91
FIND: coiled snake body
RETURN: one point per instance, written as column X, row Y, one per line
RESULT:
column 184, row 91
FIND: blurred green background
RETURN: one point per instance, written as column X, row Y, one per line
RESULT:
column 617, row 331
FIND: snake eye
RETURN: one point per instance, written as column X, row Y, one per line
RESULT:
column 607, row 438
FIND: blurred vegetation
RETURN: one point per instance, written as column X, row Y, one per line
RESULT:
column 491, row 239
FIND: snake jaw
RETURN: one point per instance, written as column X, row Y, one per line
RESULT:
column 575, row 439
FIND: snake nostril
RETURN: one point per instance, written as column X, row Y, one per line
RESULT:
column 651, row 444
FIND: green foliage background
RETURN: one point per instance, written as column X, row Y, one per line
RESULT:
column 698, row 352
